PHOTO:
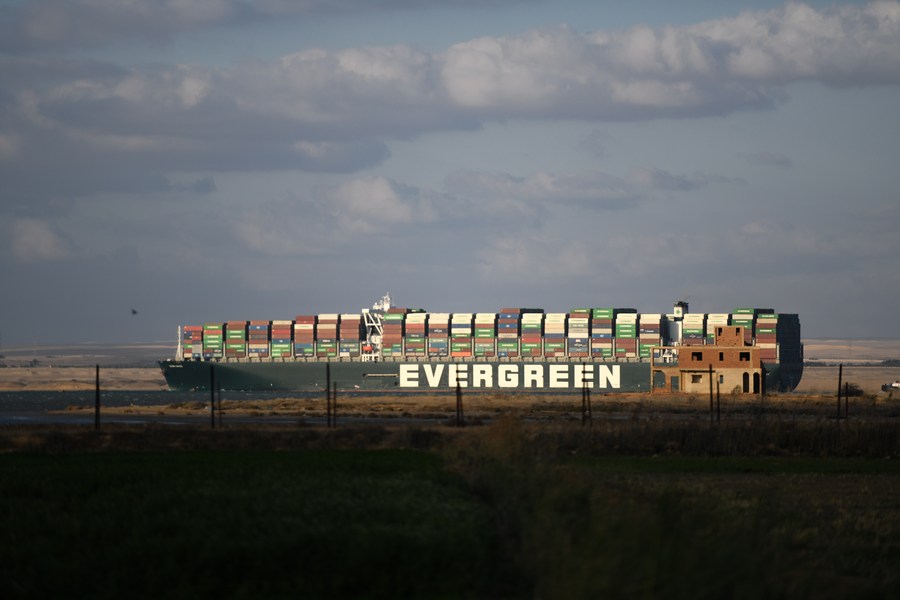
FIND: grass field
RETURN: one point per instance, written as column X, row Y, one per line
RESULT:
column 249, row 524
column 515, row 509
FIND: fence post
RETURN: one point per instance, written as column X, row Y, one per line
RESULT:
column 840, row 382
column 334, row 405
column 212, row 396
column 97, row 400
column 460, row 418
column 590, row 411
column 327, row 394
column 718, row 403
column 587, row 415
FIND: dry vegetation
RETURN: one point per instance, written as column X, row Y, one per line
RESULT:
column 649, row 499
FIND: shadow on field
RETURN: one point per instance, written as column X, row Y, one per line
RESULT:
column 514, row 508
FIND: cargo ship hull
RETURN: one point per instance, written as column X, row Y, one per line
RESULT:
column 402, row 349
column 302, row 376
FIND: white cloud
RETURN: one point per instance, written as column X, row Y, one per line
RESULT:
column 9, row 146
column 596, row 189
column 63, row 24
column 321, row 110
column 525, row 257
column 769, row 159
column 35, row 240
column 371, row 204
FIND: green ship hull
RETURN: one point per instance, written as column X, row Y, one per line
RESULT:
column 430, row 376
column 311, row 376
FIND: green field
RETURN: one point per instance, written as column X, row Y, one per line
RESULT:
column 239, row 524
column 508, row 510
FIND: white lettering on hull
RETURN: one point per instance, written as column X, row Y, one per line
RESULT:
column 433, row 374
column 537, row 376
column 482, row 376
column 559, row 376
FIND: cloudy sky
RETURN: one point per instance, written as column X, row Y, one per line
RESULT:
column 204, row 160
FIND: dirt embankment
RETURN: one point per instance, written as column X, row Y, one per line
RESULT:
column 58, row 379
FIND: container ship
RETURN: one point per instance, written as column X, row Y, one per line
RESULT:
column 386, row 348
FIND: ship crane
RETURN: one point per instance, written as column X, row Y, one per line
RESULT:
column 375, row 328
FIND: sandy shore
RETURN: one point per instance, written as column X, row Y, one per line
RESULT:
column 75, row 379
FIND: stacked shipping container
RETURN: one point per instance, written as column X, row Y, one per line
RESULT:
column 531, row 341
column 192, row 341
column 327, row 335
column 602, row 332
column 508, row 323
column 650, row 333
column 393, row 327
column 282, row 346
column 351, row 334
column 619, row 333
column 258, row 339
column 578, row 337
column 554, row 334
column 485, row 342
column 414, row 337
column 236, row 339
column 626, row 326
column 305, row 336
column 461, row 334
column 212, row 340
column 693, row 332
column 438, row 334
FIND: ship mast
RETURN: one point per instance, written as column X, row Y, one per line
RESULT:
column 374, row 327
column 179, row 351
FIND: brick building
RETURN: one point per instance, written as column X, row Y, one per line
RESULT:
column 734, row 365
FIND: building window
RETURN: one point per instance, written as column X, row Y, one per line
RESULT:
column 721, row 356
column 721, row 379
column 745, row 357
column 696, row 378
column 696, row 356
